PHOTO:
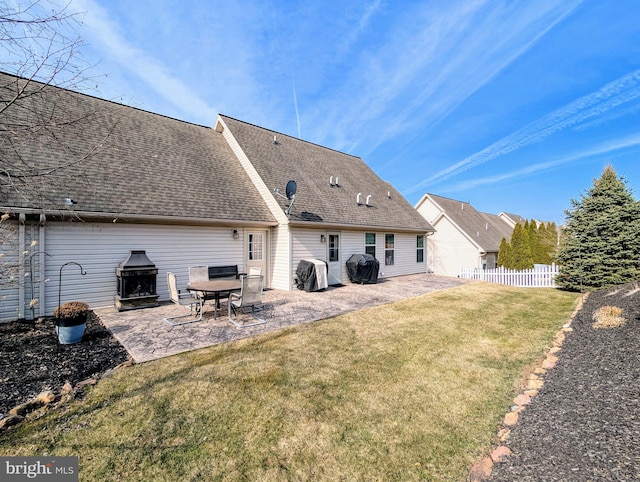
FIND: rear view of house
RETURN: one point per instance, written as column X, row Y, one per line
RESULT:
column 112, row 179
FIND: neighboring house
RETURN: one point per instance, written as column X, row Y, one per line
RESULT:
column 125, row 179
column 464, row 237
column 511, row 219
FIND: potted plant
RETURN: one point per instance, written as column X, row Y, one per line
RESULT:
column 71, row 320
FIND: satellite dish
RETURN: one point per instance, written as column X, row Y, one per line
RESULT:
column 290, row 190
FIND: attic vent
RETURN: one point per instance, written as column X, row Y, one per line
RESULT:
column 358, row 199
column 275, row 139
column 369, row 200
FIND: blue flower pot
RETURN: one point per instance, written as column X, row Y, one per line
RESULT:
column 70, row 330
column 70, row 334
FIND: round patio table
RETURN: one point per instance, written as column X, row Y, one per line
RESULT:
column 213, row 288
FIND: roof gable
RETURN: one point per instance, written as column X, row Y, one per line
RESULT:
column 484, row 230
column 278, row 158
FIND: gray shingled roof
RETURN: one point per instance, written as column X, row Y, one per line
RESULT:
column 486, row 230
column 311, row 166
column 112, row 158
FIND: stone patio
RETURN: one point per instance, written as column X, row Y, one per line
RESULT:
column 147, row 337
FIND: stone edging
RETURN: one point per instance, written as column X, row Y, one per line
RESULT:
column 48, row 399
column 481, row 470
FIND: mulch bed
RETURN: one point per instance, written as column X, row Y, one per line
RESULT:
column 32, row 360
column 584, row 425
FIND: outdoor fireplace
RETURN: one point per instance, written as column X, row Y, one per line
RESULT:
column 136, row 276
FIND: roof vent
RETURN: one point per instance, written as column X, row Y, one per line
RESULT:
column 331, row 181
column 337, row 183
column 275, row 139
column 389, row 194
column 358, row 199
column 369, row 200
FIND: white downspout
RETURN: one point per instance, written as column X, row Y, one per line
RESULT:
column 21, row 263
column 42, row 267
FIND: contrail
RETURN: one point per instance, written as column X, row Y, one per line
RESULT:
column 295, row 103
column 612, row 95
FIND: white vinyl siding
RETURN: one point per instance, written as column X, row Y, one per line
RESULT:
column 100, row 248
column 449, row 249
column 307, row 244
column 9, row 288
column 281, row 258
column 20, row 265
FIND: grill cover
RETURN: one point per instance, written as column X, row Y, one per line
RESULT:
column 363, row 268
column 311, row 275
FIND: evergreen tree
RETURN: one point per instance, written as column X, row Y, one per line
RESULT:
column 535, row 243
column 522, row 258
column 505, row 255
column 548, row 236
column 601, row 242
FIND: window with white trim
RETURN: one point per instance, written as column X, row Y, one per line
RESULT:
column 370, row 244
column 420, row 249
column 389, row 249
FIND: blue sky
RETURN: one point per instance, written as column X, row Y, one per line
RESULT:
column 512, row 105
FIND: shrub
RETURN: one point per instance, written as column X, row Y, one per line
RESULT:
column 71, row 309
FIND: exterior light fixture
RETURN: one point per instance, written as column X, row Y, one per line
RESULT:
column 235, row 234
column 322, row 238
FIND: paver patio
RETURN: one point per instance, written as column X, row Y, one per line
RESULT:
column 147, row 337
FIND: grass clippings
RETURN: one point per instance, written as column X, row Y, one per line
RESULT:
column 412, row 390
column 608, row 317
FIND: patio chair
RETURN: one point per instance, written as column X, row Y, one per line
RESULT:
column 198, row 273
column 182, row 299
column 250, row 296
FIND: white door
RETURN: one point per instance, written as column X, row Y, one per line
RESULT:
column 334, row 259
column 256, row 249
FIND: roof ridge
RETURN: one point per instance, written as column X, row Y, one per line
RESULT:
column 291, row 137
column 84, row 94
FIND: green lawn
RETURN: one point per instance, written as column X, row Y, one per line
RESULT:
column 414, row 390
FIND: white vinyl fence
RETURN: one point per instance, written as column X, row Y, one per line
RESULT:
column 543, row 276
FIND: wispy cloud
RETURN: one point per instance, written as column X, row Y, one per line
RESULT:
column 586, row 108
column 147, row 68
column 598, row 150
column 431, row 60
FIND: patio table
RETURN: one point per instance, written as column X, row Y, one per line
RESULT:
column 213, row 288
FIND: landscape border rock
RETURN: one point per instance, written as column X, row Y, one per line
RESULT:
column 481, row 470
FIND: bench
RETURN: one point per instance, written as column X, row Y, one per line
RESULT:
column 229, row 272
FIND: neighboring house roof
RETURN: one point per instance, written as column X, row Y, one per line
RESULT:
column 483, row 229
column 312, row 166
column 511, row 218
column 121, row 161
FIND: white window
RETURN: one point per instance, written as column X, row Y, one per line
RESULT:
column 389, row 243
column 370, row 244
column 256, row 247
